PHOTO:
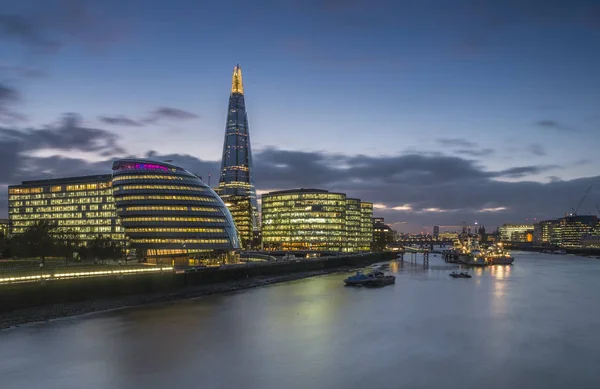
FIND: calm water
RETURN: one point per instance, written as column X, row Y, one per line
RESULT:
column 533, row 325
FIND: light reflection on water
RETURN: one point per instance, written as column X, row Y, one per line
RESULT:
column 533, row 324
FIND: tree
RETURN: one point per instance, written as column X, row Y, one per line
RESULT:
column 37, row 241
column 68, row 243
column 102, row 248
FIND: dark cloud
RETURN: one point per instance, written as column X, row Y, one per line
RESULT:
column 424, row 189
column 553, row 124
column 522, row 171
column 119, row 120
column 52, row 24
column 9, row 97
column 475, row 153
column 536, row 149
column 456, row 142
column 168, row 113
column 159, row 114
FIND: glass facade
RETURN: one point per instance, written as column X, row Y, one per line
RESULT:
column 167, row 211
column 82, row 205
column 573, row 228
column 506, row 231
column 353, row 224
column 236, row 181
column 366, row 226
column 304, row 219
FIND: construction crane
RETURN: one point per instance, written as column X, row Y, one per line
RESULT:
column 582, row 199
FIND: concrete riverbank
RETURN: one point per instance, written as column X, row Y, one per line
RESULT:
column 23, row 303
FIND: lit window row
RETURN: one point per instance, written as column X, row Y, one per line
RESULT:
column 169, row 208
column 179, row 241
column 147, row 177
column 180, row 229
column 166, row 197
column 154, row 187
column 172, row 219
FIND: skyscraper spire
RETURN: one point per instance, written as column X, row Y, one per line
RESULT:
column 237, row 86
column 236, row 182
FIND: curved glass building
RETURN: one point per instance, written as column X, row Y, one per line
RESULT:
column 167, row 211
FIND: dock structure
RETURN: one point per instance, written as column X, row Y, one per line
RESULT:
column 450, row 256
column 414, row 253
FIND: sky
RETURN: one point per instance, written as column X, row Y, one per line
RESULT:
column 440, row 112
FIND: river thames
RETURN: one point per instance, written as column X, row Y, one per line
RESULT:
column 535, row 324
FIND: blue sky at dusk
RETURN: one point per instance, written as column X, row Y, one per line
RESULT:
column 449, row 111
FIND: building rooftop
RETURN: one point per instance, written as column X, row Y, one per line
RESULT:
column 97, row 177
column 301, row 190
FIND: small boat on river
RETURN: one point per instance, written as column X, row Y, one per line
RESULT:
column 375, row 278
column 460, row 275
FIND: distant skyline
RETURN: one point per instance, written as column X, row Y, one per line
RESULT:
column 438, row 113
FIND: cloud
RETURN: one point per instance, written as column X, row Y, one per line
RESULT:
column 9, row 97
column 536, row 149
column 456, row 142
column 168, row 113
column 53, row 24
column 553, row 124
column 119, row 120
column 17, row 147
column 475, row 153
column 416, row 189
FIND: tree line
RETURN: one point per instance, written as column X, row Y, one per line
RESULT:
column 45, row 240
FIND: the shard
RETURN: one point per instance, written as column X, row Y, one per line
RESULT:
column 236, row 181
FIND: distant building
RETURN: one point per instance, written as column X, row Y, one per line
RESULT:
column 236, row 181
column 168, row 212
column 382, row 234
column 82, row 205
column 547, row 232
column 366, row 226
column 315, row 219
column 590, row 241
column 573, row 228
column 353, row 225
column 436, row 232
column 522, row 236
column 506, row 231
column 448, row 236
column 4, row 227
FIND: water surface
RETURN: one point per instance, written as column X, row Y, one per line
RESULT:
column 535, row 324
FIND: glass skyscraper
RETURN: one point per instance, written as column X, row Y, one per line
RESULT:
column 236, row 181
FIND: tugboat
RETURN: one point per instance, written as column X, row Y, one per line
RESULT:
column 375, row 278
column 460, row 275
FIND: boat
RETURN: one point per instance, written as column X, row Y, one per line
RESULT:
column 375, row 278
column 460, row 275
column 381, row 281
column 356, row 280
column 472, row 258
column 497, row 255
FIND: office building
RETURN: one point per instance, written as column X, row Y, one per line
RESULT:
column 506, row 231
column 315, row 219
column 547, row 232
column 366, row 226
column 80, row 205
column 574, row 227
column 436, row 232
column 304, row 219
column 353, row 224
column 169, row 212
column 382, row 234
column 236, row 181
column 3, row 227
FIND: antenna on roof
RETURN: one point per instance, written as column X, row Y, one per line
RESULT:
column 209, row 179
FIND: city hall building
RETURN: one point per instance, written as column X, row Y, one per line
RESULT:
column 315, row 219
column 166, row 211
